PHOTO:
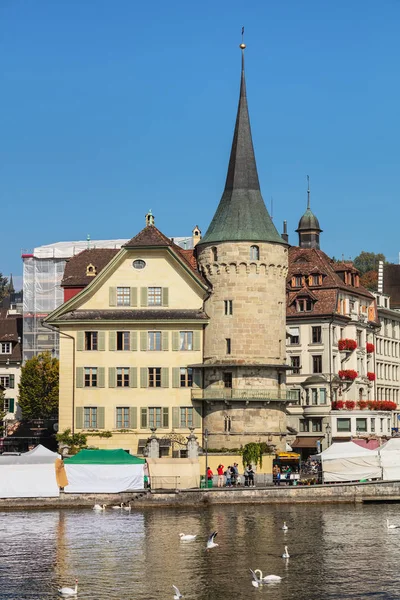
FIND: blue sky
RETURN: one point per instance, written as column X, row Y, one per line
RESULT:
column 110, row 108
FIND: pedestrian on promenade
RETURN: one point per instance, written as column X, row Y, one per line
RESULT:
column 250, row 472
column 228, row 481
column 220, row 471
column 246, row 477
column 209, row 474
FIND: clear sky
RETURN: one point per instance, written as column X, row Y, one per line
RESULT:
column 112, row 107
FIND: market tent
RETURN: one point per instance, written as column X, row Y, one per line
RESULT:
column 346, row 461
column 29, row 475
column 390, row 459
column 104, row 471
column 174, row 473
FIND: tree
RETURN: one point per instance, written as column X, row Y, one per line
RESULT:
column 368, row 261
column 38, row 388
column 3, row 286
column 370, row 280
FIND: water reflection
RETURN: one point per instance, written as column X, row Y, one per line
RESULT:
column 335, row 552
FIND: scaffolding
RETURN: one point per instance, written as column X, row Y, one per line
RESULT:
column 43, row 270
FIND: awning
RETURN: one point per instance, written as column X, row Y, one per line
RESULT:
column 288, row 455
column 306, row 442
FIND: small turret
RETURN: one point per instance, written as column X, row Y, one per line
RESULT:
column 309, row 228
column 149, row 218
column 196, row 234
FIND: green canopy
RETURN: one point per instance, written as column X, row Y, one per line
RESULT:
column 104, row 457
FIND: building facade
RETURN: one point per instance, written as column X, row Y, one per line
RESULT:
column 10, row 364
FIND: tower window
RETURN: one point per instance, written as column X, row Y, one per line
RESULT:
column 228, row 305
column 227, row 424
column 228, row 345
column 214, row 253
column 228, row 380
column 254, row 253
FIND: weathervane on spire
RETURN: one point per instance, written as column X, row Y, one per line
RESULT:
column 242, row 45
column 308, row 191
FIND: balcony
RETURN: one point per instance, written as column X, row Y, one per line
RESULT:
column 320, row 410
column 238, row 395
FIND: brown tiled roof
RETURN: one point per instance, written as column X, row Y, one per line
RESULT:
column 149, row 236
column 311, row 261
column 11, row 331
column 391, row 284
column 75, row 269
column 150, row 314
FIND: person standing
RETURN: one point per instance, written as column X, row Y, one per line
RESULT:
column 220, row 471
column 228, row 481
column 209, row 475
column 250, row 472
column 246, row 477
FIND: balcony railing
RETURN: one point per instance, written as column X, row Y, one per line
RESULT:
column 244, row 394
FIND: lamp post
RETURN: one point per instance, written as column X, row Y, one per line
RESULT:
column 328, row 431
column 206, row 450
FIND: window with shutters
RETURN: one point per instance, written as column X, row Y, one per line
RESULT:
column 122, row 377
column 5, row 348
column 154, row 340
column 90, row 417
column 186, row 376
column 123, row 340
column 91, row 340
column 228, row 307
column 123, row 418
column 5, row 381
column 186, row 340
column 154, row 296
column 186, row 416
column 123, row 296
column 158, row 417
column 154, row 377
column 90, row 377
column 6, row 405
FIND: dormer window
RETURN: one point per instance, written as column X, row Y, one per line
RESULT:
column 297, row 281
column 254, row 253
column 304, row 305
column 91, row 270
column 315, row 280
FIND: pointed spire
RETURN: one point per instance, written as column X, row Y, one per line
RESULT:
column 11, row 289
column 309, row 228
column 308, row 192
column 241, row 214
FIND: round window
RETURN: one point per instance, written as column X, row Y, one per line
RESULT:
column 139, row 264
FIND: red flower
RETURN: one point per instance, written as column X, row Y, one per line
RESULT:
column 381, row 405
column 348, row 374
column 370, row 348
column 350, row 404
column 371, row 376
column 337, row 404
column 347, row 344
column 362, row 404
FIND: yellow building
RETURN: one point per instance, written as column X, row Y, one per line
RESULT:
column 127, row 341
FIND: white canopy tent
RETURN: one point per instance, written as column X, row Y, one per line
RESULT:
column 390, row 459
column 29, row 475
column 346, row 461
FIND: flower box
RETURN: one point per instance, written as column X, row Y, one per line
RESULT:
column 348, row 374
column 371, row 376
column 337, row 405
column 350, row 404
column 370, row 348
column 347, row 345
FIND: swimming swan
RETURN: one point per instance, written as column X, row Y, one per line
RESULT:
column 66, row 591
column 210, row 541
column 128, row 508
column 187, row 538
column 284, row 526
column 391, row 526
column 286, row 553
column 99, row 507
column 257, row 581
column 178, row 595
column 118, row 506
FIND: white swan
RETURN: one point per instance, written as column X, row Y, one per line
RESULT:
column 284, row 526
column 391, row 526
column 286, row 553
column 99, row 507
column 210, row 541
column 187, row 538
column 128, row 508
column 66, row 591
column 178, row 595
column 118, row 506
column 257, row 581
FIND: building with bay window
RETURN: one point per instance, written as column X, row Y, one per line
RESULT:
column 10, row 363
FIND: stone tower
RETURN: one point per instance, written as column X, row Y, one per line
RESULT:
column 309, row 228
column 245, row 261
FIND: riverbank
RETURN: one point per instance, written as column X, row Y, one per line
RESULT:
column 382, row 491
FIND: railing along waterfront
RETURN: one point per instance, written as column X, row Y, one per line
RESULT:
column 244, row 394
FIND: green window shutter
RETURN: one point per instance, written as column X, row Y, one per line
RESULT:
column 11, row 405
column 143, row 418
column 79, row 377
column 80, row 340
column 196, row 340
column 133, row 340
column 175, row 340
column 133, row 377
column 112, row 341
column 143, row 340
column 100, row 377
column 143, row 296
column 165, row 416
column 165, row 340
column 79, row 417
column 112, row 382
column 12, row 383
column 175, row 417
column 165, row 377
column 165, row 295
column 197, row 416
column 143, row 377
column 133, row 296
column 133, row 417
column 197, row 378
column 113, row 296
column 100, row 417
column 176, row 377
column 101, row 340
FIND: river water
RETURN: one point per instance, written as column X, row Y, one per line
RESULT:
column 337, row 551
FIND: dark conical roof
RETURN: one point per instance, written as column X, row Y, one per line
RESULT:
column 308, row 222
column 241, row 214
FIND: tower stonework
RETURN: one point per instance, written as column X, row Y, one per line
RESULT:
column 245, row 261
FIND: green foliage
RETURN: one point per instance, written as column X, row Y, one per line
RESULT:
column 38, row 388
column 368, row 261
column 252, row 453
column 4, row 288
column 75, row 442
column 102, row 434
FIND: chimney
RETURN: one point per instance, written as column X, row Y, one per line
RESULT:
column 285, row 236
column 380, row 276
column 196, row 234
